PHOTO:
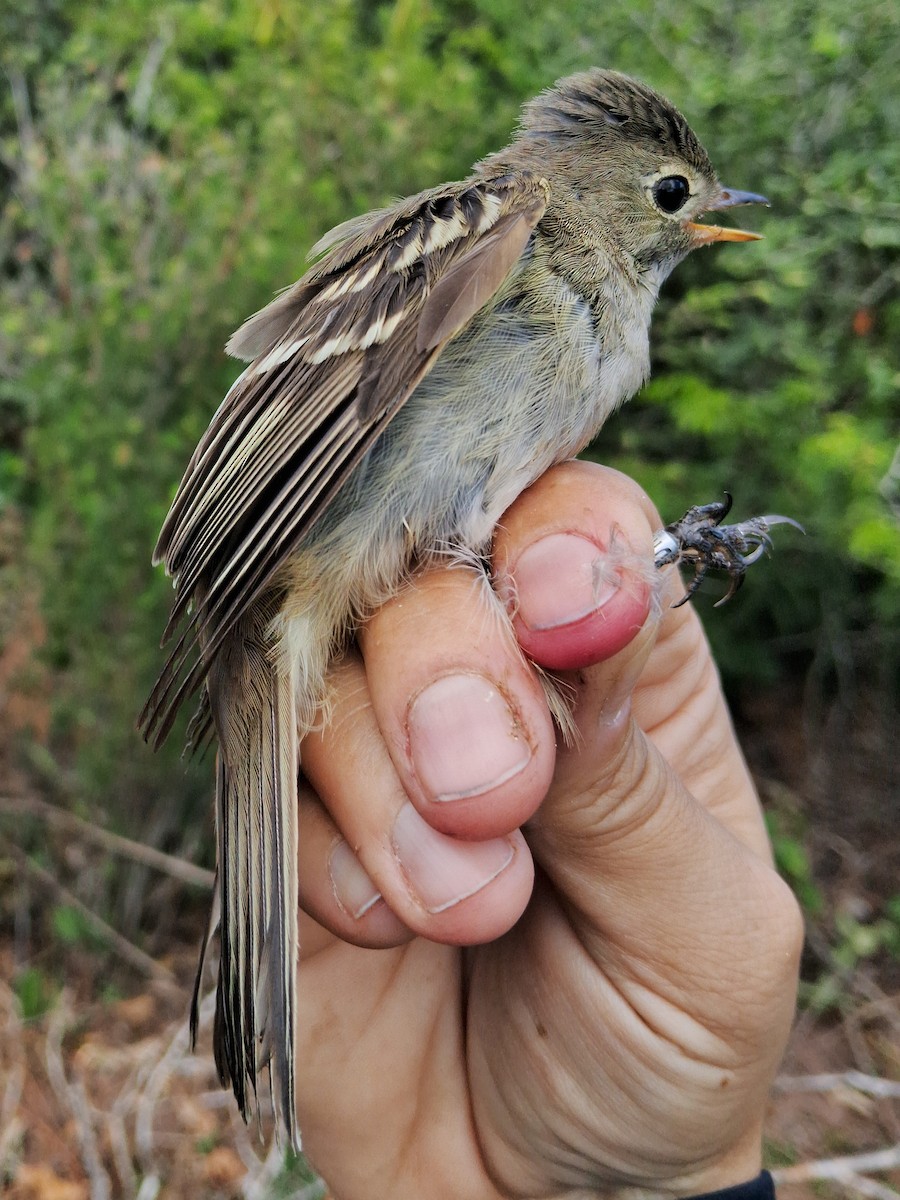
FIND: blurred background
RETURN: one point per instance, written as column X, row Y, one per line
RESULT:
column 164, row 168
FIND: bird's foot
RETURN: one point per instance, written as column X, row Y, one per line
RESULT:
column 701, row 540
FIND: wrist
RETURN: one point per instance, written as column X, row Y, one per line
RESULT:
column 735, row 1175
column 761, row 1187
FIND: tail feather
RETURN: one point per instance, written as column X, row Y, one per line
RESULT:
column 254, row 712
column 211, row 929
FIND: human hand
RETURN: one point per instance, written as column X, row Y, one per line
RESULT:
column 598, row 1004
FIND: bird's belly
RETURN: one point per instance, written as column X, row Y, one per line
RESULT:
column 460, row 452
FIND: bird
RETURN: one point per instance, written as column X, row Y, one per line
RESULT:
column 439, row 356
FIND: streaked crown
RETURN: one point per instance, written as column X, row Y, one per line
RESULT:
column 617, row 109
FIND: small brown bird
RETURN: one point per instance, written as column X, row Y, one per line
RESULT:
column 439, row 357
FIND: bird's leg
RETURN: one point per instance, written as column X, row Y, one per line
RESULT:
column 701, row 540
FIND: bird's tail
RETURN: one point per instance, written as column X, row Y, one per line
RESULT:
column 254, row 711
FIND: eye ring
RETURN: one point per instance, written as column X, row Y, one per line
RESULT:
column 671, row 193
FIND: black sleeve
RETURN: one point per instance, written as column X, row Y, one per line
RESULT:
column 760, row 1188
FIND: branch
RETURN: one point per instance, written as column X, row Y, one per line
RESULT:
column 143, row 89
column 147, row 855
column 840, row 1168
column 18, row 88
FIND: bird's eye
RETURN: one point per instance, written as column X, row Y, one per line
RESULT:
column 671, row 193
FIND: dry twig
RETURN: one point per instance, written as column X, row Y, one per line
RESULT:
column 872, row 1085
column 73, row 1099
column 174, row 1059
column 11, row 1127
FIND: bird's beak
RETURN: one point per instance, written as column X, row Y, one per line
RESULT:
column 703, row 235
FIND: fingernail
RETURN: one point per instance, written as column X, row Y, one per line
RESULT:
column 464, row 739
column 561, row 579
column 353, row 889
column 440, row 870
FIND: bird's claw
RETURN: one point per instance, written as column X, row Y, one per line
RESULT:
column 701, row 540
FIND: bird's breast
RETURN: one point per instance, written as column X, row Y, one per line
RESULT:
column 526, row 385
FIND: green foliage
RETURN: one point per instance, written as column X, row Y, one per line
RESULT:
column 34, row 992
column 164, row 167
column 297, row 1177
column 778, row 1154
column 73, row 928
column 852, row 943
column 842, row 942
column 793, row 861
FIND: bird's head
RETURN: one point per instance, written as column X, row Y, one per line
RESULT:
column 625, row 157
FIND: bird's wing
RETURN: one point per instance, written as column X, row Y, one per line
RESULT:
column 333, row 360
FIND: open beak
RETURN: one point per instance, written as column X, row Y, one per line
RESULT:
column 703, row 235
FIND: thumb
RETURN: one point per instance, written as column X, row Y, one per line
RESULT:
column 660, row 889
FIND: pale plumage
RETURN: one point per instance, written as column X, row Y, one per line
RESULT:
column 440, row 356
